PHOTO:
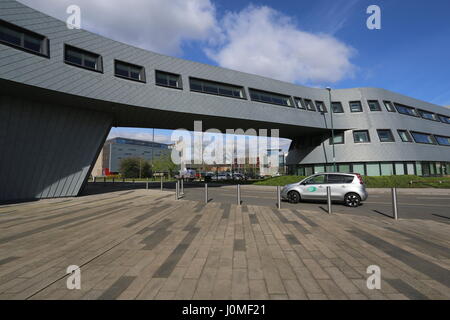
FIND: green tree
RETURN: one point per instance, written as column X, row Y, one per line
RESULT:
column 164, row 163
column 135, row 168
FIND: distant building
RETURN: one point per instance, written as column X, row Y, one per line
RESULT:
column 116, row 149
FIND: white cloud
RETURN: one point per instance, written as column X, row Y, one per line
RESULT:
column 263, row 41
column 158, row 25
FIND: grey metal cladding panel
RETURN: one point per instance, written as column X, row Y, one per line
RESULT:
column 46, row 149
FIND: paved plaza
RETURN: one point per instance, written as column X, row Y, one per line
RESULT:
column 144, row 244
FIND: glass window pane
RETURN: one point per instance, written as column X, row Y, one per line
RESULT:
column 399, row 169
column 345, row 168
column 90, row 61
column 358, row 168
column 308, row 171
column 373, row 169
column 355, row 106
column 389, row 106
column 319, row 169
column 445, row 141
column 385, row 136
column 418, row 168
column 74, row 57
column 10, row 36
column 337, row 107
column 422, row 138
column 135, row 73
column 121, row 70
column 196, row 85
column 410, row 169
column 374, row 106
column 387, row 169
column 361, row 136
column 32, row 43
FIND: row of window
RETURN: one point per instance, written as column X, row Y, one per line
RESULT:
column 385, row 135
column 376, row 168
column 38, row 44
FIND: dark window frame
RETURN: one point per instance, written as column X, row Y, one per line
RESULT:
column 45, row 41
column 360, row 104
column 308, row 103
column 378, row 104
column 422, row 111
column 411, row 140
column 99, row 68
column 391, row 104
column 440, row 116
column 436, row 136
column 399, row 106
column 368, row 136
column 180, row 80
column 273, row 94
column 321, row 103
column 339, row 133
column 390, row 133
column 301, row 103
column 142, row 71
column 212, row 82
column 341, row 107
column 423, row 133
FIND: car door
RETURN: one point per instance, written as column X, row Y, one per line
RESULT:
column 314, row 187
column 339, row 184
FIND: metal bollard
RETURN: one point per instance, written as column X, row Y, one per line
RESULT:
column 146, row 185
column 176, row 190
column 161, row 183
column 182, row 186
column 206, row 193
column 329, row 199
column 394, row 203
column 238, row 194
column 94, row 179
column 278, row 197
column 113, row 180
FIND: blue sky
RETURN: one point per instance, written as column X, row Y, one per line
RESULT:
column 315, row 43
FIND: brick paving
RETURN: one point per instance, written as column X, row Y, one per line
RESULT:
column 143, row 244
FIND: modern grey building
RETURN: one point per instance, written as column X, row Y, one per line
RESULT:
column 62, row 90
column 117, row 149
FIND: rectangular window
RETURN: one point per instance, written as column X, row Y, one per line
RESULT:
column 82, row 58
column 405, row 136
column 129, row 71
column 361, row 136
column 356, row 106
column 389, row 106
column 359, row 168
column 338, row 138
column 374, row 105
column 444, row 119
column 339, row 178
column 406, row 110
column 443, row 141
column 270, row 97
column 387, row 169
column 385, row 135
column 216, row 88
column 299, row 103
column 337, row 107
column 399, row 169
column 420, row 137
column 428, row 115
column 373, row 169
column 23, row 39
column 309, row 105
column 321, row 107
column 167, row 79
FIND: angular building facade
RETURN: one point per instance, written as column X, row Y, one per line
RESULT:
column 61, row 91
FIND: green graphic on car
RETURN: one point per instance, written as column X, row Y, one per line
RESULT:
column 312, row 189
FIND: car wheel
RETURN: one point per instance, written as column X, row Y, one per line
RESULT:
column 352, row 200
column 293, row 197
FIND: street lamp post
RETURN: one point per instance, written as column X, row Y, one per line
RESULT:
column 332, row 129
